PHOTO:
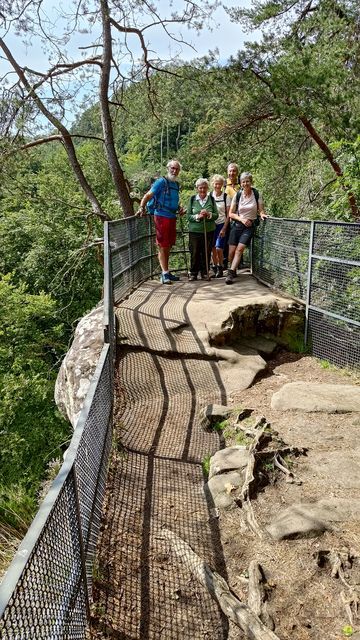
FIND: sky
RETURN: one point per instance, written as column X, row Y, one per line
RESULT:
column 225, row 36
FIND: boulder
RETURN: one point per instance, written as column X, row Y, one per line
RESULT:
column 312, row 518
column 79, row 364
column 224, row 489
column 228, row 459
column 216, row 412
column 306, row 396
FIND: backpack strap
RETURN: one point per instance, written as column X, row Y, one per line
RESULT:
column 255, row 192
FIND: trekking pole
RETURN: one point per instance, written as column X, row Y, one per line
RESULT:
column 183, row 243
column 206, row 253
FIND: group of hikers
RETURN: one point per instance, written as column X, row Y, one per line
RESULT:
column 221, row 221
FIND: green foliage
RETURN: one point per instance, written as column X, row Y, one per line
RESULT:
column 205, row 463
column 31, row 428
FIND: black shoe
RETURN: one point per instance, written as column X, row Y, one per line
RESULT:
column 192, row 278
column 219, row 272
column 230, row 277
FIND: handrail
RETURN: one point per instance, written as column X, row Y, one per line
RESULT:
column 63, row 527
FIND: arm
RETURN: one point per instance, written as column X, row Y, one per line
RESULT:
column 261, row 210
column 148, row 195
column 232, row 212
column 192, row 217
column 227, row 219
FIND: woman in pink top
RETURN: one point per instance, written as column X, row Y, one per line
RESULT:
column 244, row 211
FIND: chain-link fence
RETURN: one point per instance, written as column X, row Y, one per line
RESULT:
column 46, row 592
column 318, row 263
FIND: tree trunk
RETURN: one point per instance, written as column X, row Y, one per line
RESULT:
column 114, row 165
column 65, row 136
column 329, row 156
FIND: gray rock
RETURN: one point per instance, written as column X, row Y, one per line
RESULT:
column 312, row 518
column 224, row 489
column 79, row 364
column 227, row 459
column 214, row 412
column 259, row 343
column 305, row 396
column 338, row 469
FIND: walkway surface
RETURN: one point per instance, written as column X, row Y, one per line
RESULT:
column 167, row 372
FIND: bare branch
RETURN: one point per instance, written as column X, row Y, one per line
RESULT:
column 67, row 141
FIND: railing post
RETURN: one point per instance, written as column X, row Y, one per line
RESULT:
column 107, row 284
column 150, row 248
column 308, row 281
column 128, row 234
column 81, row 543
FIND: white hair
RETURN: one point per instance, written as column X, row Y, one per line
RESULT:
column 233, row 164
column 200, row 181
column 217, row 178
column 173, row 161
column 246, row 174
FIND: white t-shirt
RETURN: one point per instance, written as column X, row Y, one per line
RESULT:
column 247, row 208
column 220, row 204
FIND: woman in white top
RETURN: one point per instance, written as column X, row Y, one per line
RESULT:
column 245, row 208
column 223, row 202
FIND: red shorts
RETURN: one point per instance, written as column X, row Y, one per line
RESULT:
column 165, row 231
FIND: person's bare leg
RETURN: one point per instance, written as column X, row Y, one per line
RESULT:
column 163, row 256
column 232, row 249
column 237, row 257
column 220, row 256
column 235, row 263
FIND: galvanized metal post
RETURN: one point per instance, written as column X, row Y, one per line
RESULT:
column 150, row 248
column 81, row 543
column 308, row 280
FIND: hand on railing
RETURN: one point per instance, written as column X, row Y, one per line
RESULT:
column 141, row 212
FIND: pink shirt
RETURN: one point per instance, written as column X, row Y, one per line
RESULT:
column 247, row 209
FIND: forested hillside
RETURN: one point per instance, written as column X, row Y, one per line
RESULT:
column 286, row 107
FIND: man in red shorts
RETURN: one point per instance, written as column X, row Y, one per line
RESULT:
column 164, row 194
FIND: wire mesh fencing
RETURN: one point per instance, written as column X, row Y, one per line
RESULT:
column 318, row 263
column 46, row 591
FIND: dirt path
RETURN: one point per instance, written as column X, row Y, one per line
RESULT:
column 304, row 600
column 156, row 478
column 165, row 376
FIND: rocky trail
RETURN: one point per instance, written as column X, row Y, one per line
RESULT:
column 235, row 460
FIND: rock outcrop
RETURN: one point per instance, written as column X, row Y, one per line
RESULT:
column 305, row 396
column 79, row 364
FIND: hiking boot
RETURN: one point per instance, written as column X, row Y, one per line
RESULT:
column 173, row 277
column 230, row 277
column 219, row 272
column 165, row 278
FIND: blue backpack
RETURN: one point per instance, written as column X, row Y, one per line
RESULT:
column 154, row 203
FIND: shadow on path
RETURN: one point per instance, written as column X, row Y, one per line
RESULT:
column 156, row 477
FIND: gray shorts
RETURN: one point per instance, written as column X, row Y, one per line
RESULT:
column 240, row 234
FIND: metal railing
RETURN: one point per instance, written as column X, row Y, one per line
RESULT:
column 46, row 593
column 319, row 263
